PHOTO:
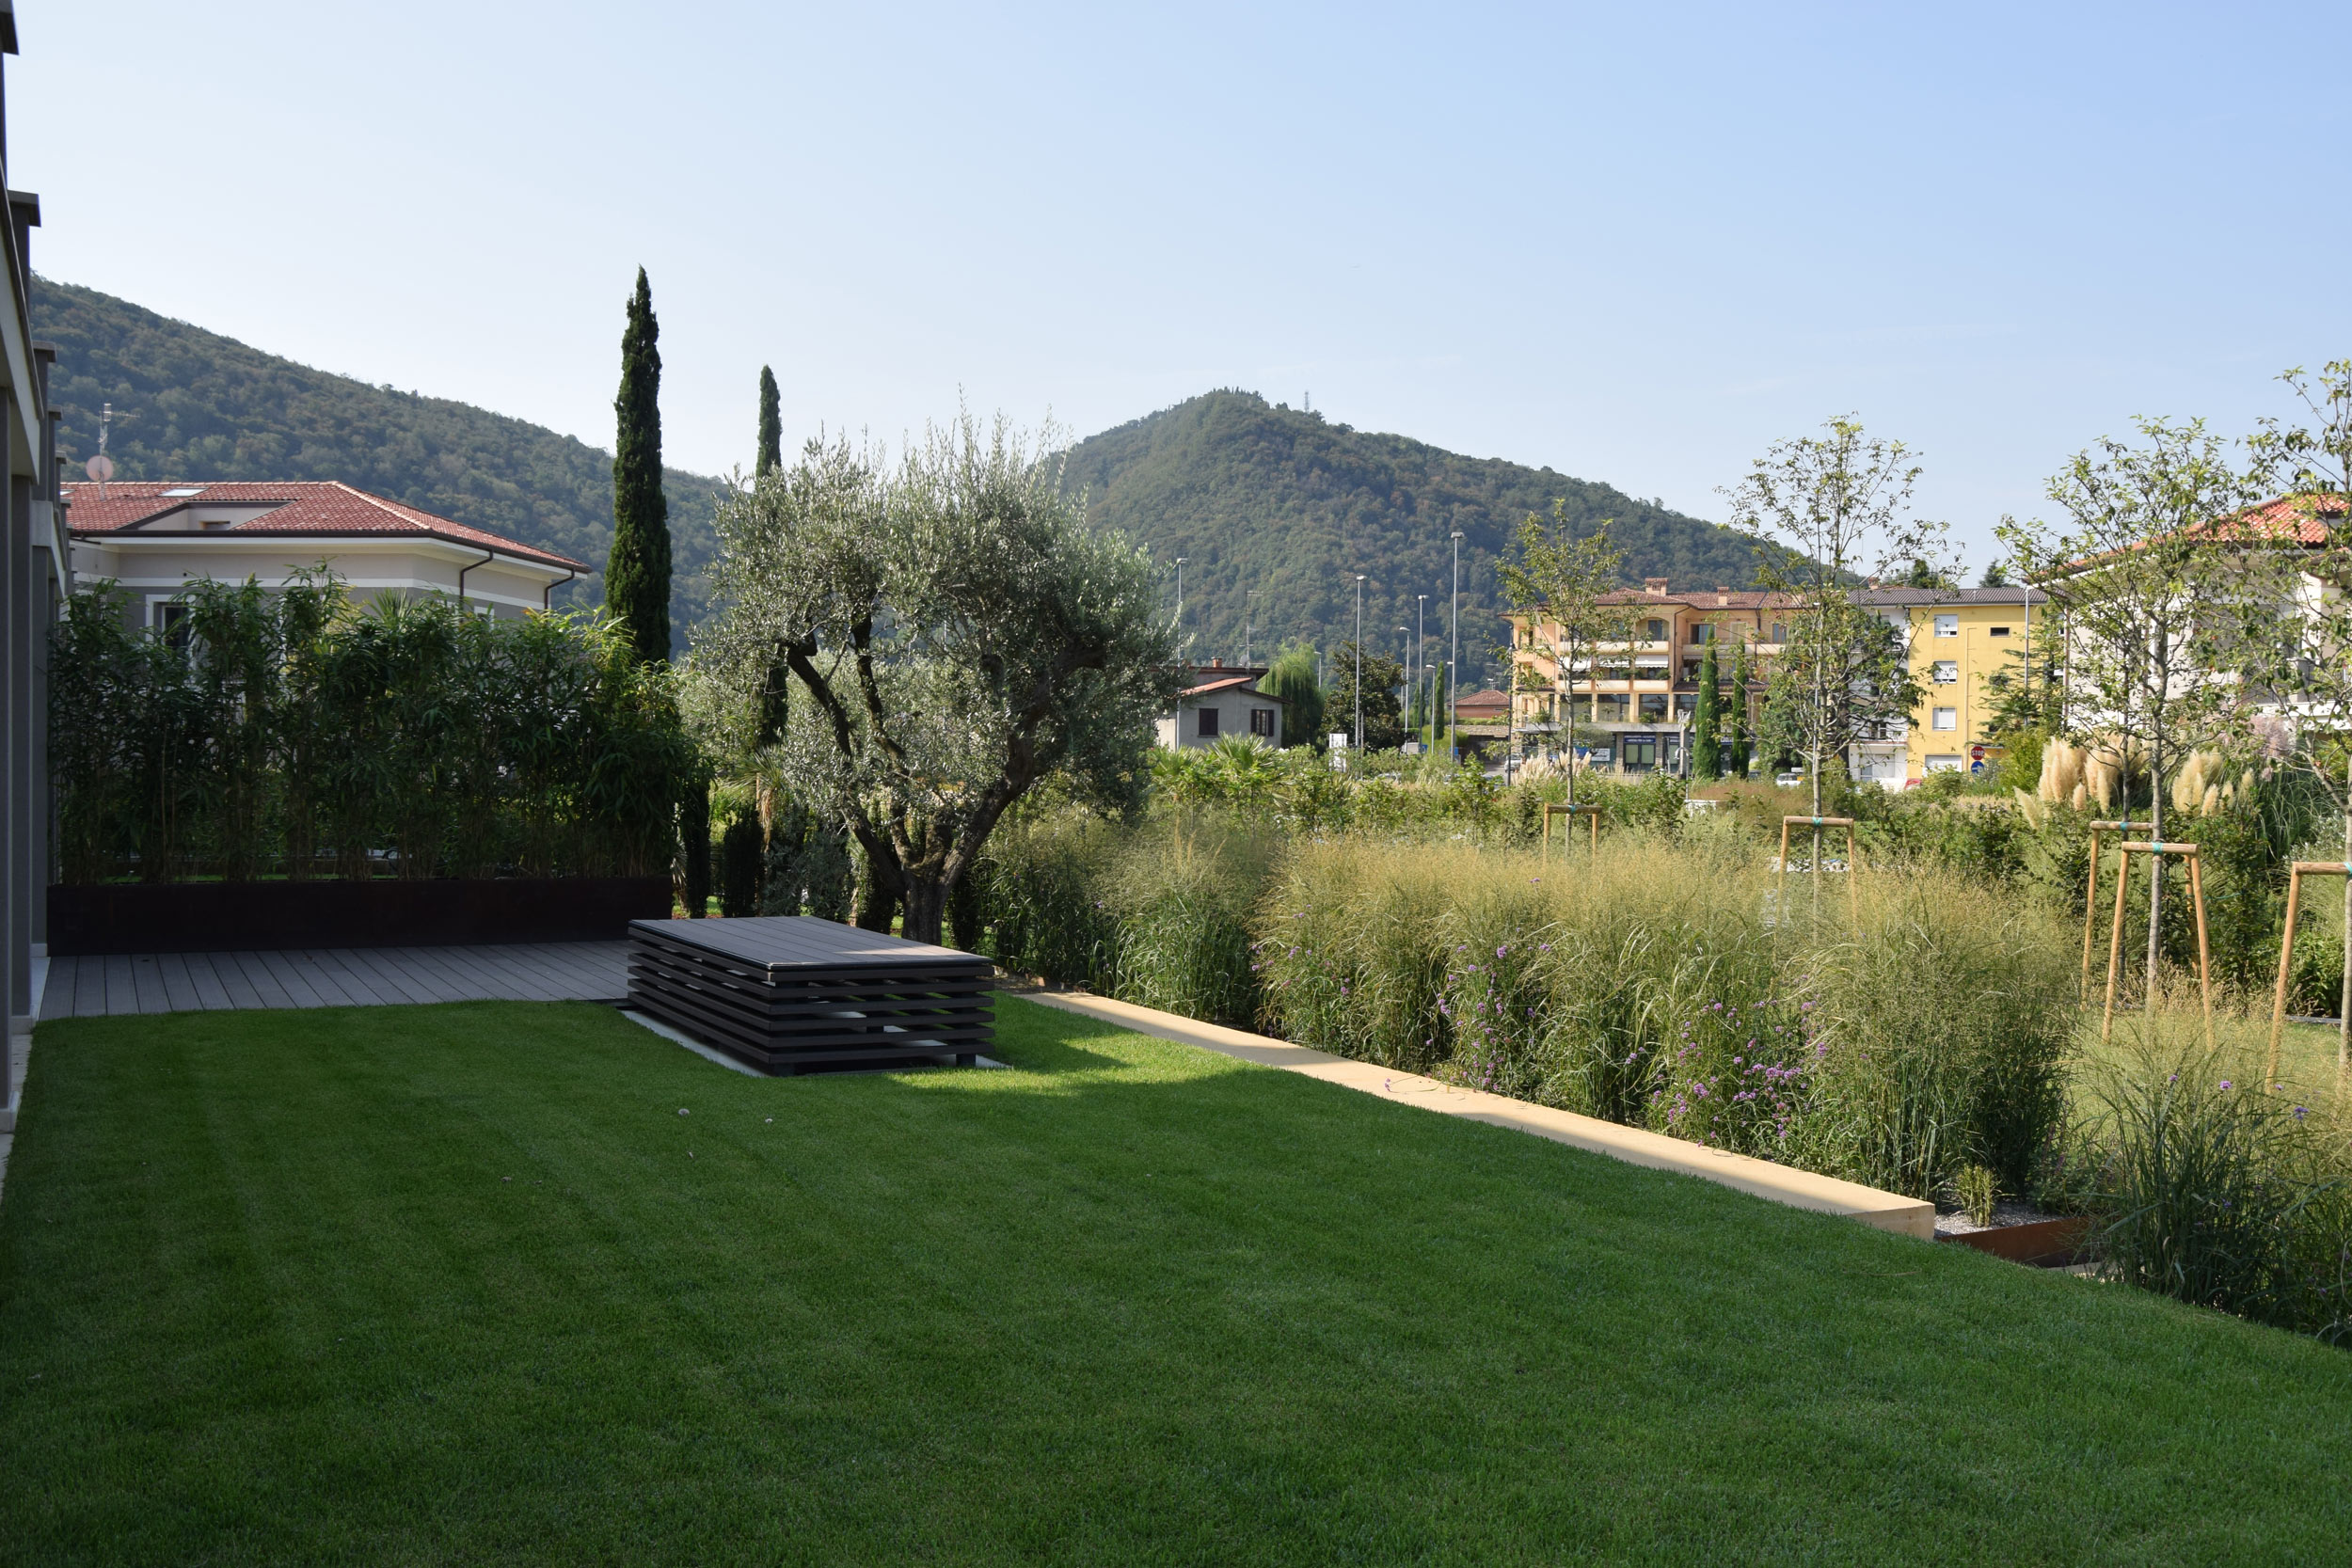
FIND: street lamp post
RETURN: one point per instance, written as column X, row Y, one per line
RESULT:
column 1180, row 593
column 1359, row 664
column 1420, row 603
column 1453, row 664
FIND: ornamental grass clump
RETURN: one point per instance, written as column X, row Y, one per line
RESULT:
column 1050, row 912
column 2216, row 1193
column 1351, row 949
column 1184, row 893
column 1943, row 1032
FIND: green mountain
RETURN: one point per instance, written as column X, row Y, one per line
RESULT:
column 1262, row 498
column 192, row 404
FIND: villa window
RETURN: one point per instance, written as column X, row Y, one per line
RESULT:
column 1653, row 708
column 1945, row 718
column 1947, row 626
column 1262, row 721
column 1655, row 630
column 1999, row 631
column 1703, row 632
column 1208, row 723
column 1947, row 671
column 1780, row 631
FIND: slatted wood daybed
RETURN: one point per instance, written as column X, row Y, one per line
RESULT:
column 791, row 994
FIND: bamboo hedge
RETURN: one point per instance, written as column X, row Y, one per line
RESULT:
column 289, row 732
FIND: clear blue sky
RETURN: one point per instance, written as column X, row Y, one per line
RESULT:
column 1636, row 243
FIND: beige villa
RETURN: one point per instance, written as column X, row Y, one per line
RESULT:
column 153, row 539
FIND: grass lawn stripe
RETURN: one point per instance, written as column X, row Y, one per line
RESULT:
column 274, row 1297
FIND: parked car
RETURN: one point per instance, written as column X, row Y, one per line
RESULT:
column 1792, row 780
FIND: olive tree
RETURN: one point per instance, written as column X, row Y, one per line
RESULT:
column 957, row 634
column 2154, row 600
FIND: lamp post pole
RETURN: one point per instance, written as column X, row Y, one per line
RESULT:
column 1453, row 663
column 1180, row 593
column 1420, row 603
column 1359, row 663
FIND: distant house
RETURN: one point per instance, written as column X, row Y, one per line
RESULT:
column 1223, row 700
column 1482, row 708
column 153, row 539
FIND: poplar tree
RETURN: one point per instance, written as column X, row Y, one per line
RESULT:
column 771, row 424
column 637, row 573
column 1706, row 741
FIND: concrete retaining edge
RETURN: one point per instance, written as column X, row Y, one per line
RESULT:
column 1798, row 1189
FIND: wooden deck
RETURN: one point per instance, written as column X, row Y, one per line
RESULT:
column 335, row 977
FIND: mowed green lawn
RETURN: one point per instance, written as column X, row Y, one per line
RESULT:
column 460, row 1284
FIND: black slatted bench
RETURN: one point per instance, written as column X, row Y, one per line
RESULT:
column 791, row 993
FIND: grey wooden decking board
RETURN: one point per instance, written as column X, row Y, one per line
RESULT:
column 92, row 987
column 179, row 986
column 456, row 983
column 268, row 984
column 517, row 982
column 394, row 982
column 210, row 992
column 121, row 993
column 476, row 981
column 148, row 981
column 300, row 979
column 240, row 985
column 361, row 988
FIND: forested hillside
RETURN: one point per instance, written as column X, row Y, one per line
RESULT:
column 1261, row 497
column 192, row 404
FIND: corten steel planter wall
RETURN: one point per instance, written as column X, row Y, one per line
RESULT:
column 222, row 917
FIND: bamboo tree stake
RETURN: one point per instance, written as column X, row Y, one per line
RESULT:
column 2155, row 850
column 1571, row 811
column 2090, row 898
column 1854, row 861
column 2286, row 950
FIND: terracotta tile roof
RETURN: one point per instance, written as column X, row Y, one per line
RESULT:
column 1227, row 684
column 2309, row 520
column 304, row 507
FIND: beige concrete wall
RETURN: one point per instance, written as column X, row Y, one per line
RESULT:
column 1798, row 1189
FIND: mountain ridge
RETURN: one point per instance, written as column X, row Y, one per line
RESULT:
column 1261, row 498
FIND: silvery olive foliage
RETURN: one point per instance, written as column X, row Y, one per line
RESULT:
column 954, row 634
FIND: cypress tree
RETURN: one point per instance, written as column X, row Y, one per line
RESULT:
column 1738, row 728
column 1705, row 740
column 741, row 861
column 775, row 693
column 637, row 573
column 771, row 424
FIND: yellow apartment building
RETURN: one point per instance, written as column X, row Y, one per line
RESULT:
column 1642, row 695
column 1960, row 637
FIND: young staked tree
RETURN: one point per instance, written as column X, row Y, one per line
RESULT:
column 957, row 632
column 1562, row 582
column 2152, row 598
column 1840, row 502
column 2312, row 581
column 637, row 573
column 1707, row 754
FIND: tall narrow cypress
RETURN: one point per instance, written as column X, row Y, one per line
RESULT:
column 775, row 693
column 771, row 424
column 1706, row 758
column 637, row 573
column 1738, row 728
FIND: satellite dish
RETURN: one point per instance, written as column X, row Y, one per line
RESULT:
column 101, row 467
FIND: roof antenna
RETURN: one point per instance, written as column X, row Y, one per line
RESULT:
column 101, row 467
